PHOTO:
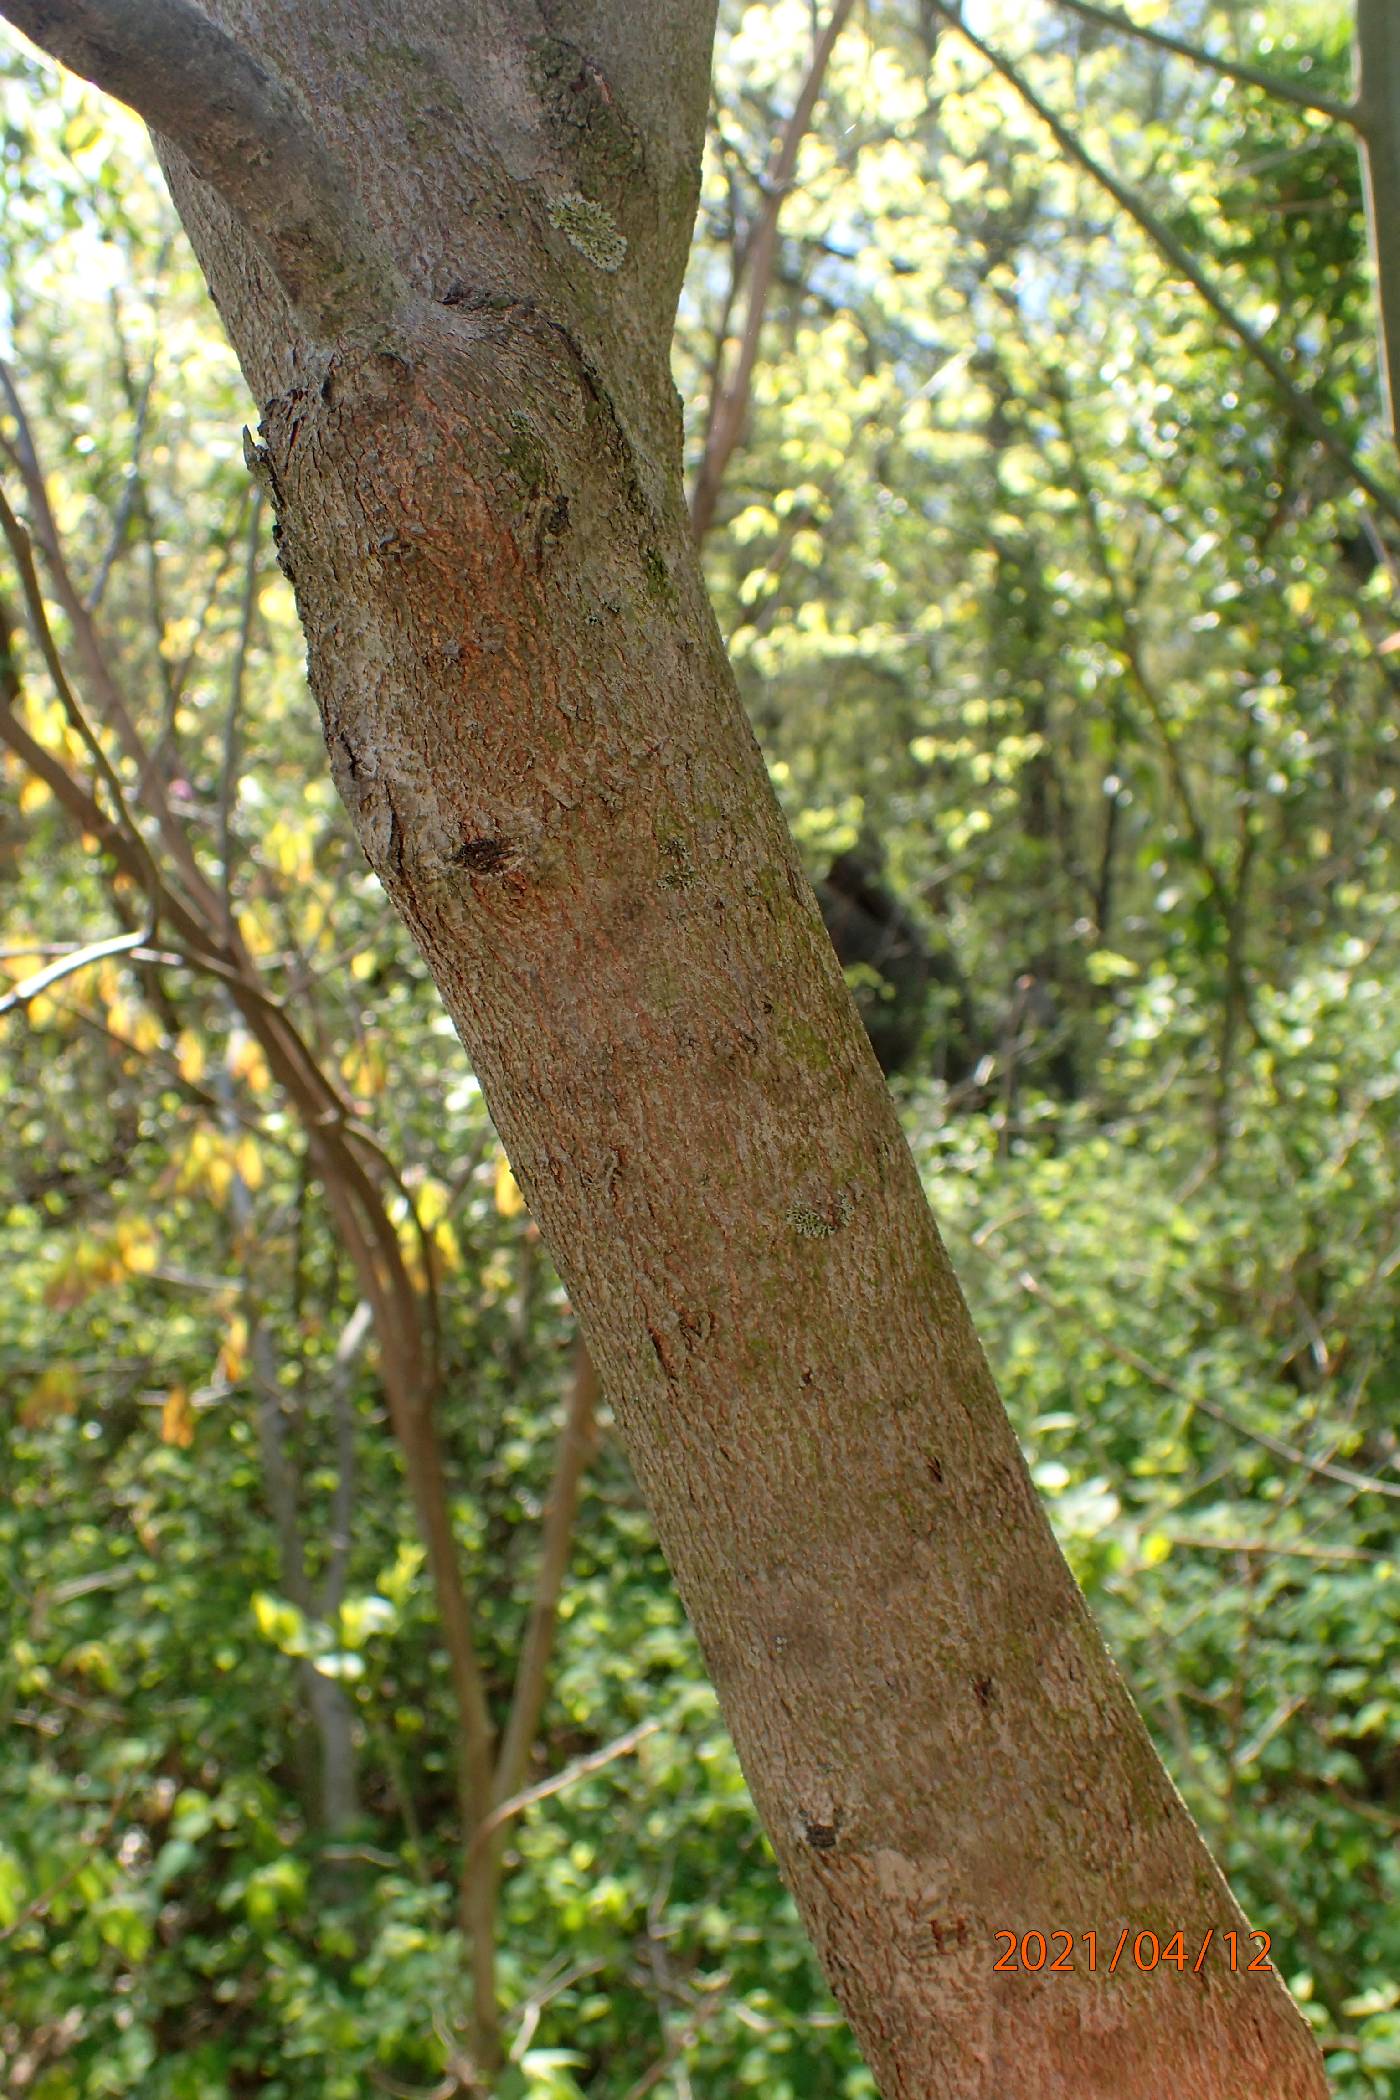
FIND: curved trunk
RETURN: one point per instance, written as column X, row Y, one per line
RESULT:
column 530, row 717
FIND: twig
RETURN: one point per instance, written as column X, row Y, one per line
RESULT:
column 532, row 1673
column 68, row 965
column 228, row 784
column 1270, row 1549
column 131, row 486
column 1230, row 69
column 1378, row 94
column 89, row 649
column 1301, row 406
column 727, row 418
column 594, row 1761
column 682, row 2039
column 41, row 1902
column 1327, row 1469
column 23, row 554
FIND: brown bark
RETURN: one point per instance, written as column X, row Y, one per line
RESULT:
column 530, row 716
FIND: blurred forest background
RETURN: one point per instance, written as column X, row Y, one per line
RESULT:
column 1072, row 647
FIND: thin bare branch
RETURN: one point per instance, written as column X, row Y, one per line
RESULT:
column 685, row 2035
column 532, row 1672
column 104, row 692
column 594, row 1761
column 68, row 966
column 23, row 555
column 727, row 413
column 228, row 783
column 1275, row 1549
column 131, row 485
column 1301, row 406
column 1229, row 68
column 371, row 1241
column 242, row 131
column 1323, row 1468
column 340, row 1538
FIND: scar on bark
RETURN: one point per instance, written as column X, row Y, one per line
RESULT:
column 820, row 1836
column 483, row 856
column 811, row 1222
column 663, row 1353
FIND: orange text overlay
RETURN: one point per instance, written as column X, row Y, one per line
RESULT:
column 1070, row 1953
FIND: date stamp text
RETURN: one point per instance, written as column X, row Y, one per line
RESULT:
column 1069, row 1953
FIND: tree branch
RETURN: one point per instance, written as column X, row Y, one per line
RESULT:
column 18, row 541
column 593, row 1761
column 731, row 405
column 99, row 678
column 1229, row 69
column 576, row 1440
column 240, row 129
column 1300, row 405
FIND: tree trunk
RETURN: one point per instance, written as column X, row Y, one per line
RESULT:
column 530, row 717
column 1378, row 115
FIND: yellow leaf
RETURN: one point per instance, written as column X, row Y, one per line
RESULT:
column 246, row 1062
column 137, row 1249
column 509, row 1201
column 189, row 1056
column 364, row 965
column 363, row 1068
column 258, row 938
column 288, row 848
column 234, row 1353
column 177, row 1419
column 176, row 640
column 33, row 795
column 496, row 1278
column 248, row 1160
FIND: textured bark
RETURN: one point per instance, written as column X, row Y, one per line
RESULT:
column 529, row 714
